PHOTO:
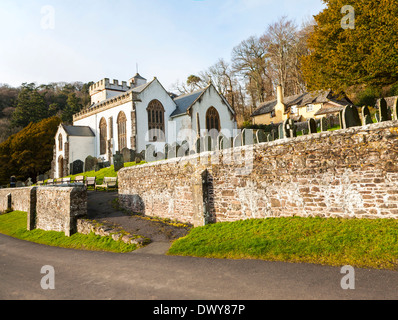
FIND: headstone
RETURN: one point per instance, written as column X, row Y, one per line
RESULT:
column 173, row 151
column 366, row 116
column 118, row 161
column 210, row 143
column 142, row 155
column 351, row 117
column 107, row 164
column 29, row 182
column 247, row 137
column 261, row 136
column 128, row 155
column 237, row 142
column 289, row 128
column 166, row 149
column 384, row 111
column 90, row 163
column 76, row 167
column 377, row 116
column 395, row 110
column 312, row 126
column 183, row 151
column 281, row 131
column 324, row 124
column 20, row 184
column 341, row 124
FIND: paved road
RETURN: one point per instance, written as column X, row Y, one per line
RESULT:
column 148, row 275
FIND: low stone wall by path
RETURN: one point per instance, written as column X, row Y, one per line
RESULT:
column 351, row 173
column 85, row 226
column 22, row 199
column 48, row 208
column 59, row 208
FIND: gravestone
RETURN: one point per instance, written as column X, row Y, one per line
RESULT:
column 384, row 111
column 128, row 155
column 395, row 110
column 107, row 164
column 89, row 163
column 261, row 136
column 366, row 116
column 281, row 131
column 312, row 126
column 173, row 151
column 289, row 129
column 183, row 150
column 351, row 117
column 118, row 161
column 76, row 167
column 29, row 182
column 248, row 137
column 324, row 124
column 166, row 149
column 237, row 142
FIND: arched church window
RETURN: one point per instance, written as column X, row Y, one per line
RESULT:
column 156, row 123
column 103, row 136
column 213, row 119
column 60, row 142
column 122, row 130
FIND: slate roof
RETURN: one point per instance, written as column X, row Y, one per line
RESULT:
column 78, row 131
column 185, row 101
column 301, row 100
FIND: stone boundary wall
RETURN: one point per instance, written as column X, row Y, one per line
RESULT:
column 22, row 199
column 48, row 208
column 350, row 173
column 59, row 208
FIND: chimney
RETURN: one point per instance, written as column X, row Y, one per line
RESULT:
column 279, row 93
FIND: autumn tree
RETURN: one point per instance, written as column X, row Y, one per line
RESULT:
column 362, row 52
column 30, row 151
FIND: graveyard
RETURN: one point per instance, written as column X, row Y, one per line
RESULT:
column 294, row 176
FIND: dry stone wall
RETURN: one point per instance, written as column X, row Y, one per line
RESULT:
column 59, row 208
column 351, row 173
column 48, row 208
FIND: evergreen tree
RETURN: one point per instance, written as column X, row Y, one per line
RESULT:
column 31, row 106
column 73, row 106
column 365, row 54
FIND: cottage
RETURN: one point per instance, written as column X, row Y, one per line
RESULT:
column 300, row 107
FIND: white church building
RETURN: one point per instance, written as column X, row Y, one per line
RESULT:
column 136, row 114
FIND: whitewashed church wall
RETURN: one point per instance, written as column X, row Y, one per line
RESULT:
column 94, row 122
column 212, row 99
column 154, row 91
column 81, row 148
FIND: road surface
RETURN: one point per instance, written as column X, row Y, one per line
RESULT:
column 150, row 275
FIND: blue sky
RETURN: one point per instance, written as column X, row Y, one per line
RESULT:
column 87, row 40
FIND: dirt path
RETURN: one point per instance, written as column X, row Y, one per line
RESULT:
column 100, row 208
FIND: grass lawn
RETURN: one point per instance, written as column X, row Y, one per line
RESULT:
column 106, row 172
column 14, row 224
column 337, row 242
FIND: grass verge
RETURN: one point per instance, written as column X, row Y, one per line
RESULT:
column 13, row 224
column 337, row 242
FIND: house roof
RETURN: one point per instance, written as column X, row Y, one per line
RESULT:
column 303, row 99
column 78, row 131
column 185, row 101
